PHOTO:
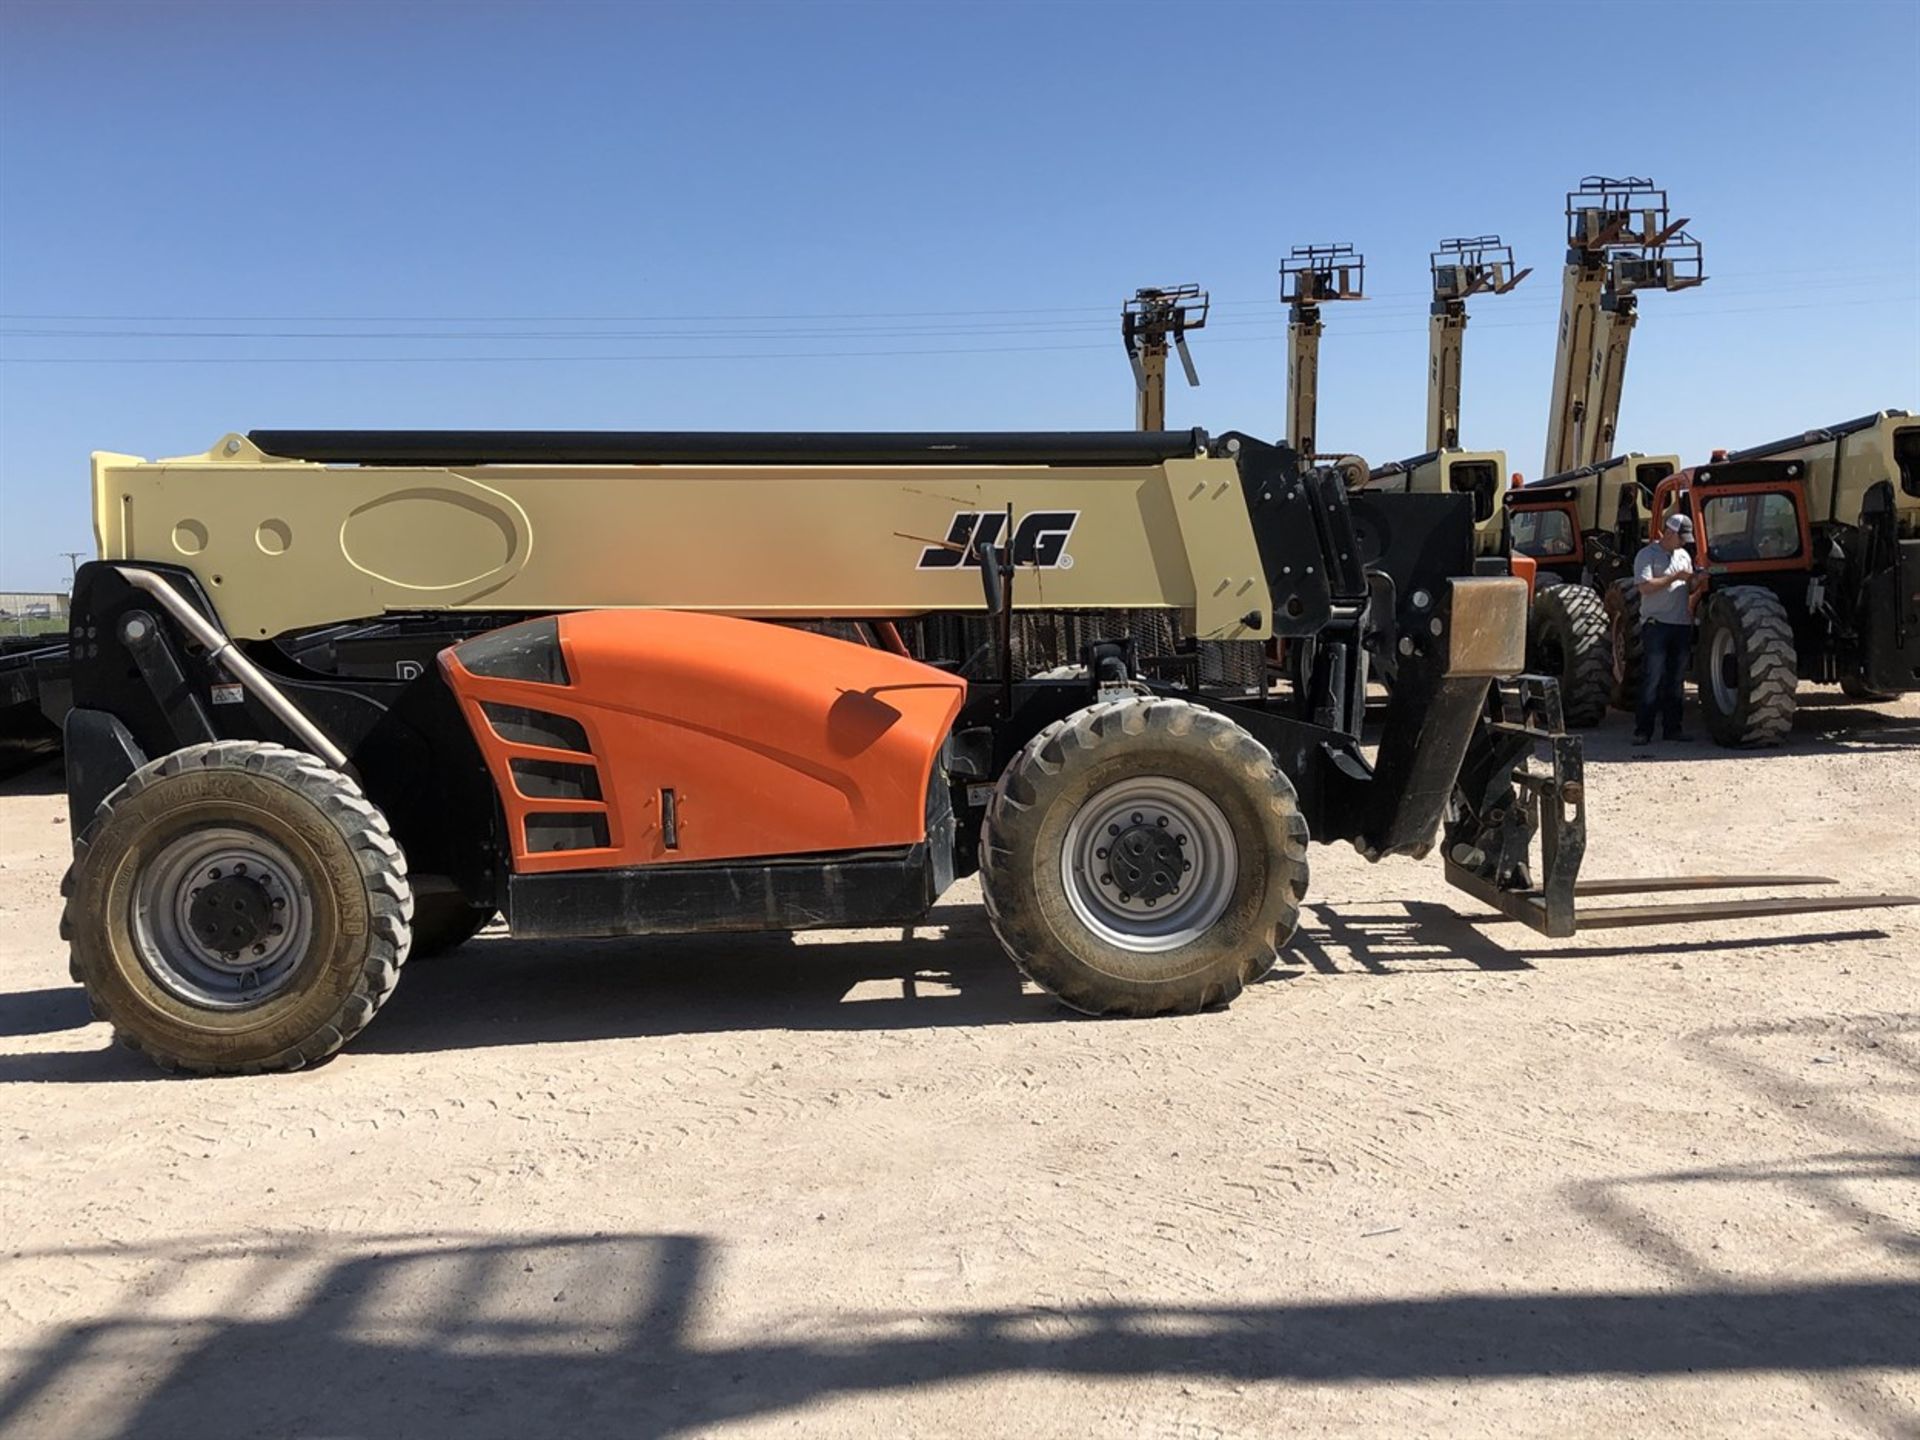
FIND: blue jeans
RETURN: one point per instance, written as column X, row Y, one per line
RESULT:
column 1663, row 676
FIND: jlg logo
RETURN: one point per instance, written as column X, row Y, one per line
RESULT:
column 1039, row 540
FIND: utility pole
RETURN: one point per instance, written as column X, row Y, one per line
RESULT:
column 1463, row 267
column 73, row 558
column 1310, row 276
column 1620, row 240
column 1155, row 315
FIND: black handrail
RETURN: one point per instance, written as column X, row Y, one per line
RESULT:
column 698, row 447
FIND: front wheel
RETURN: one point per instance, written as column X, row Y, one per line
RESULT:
column 1748, row 667
column 237, row 907
column 1628, row 647
column 1570, row 642
column 1144, row 856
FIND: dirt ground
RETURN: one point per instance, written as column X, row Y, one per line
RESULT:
column 1437, row 1175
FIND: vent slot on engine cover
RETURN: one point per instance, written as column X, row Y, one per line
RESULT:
column 547, row 833
column 556, row 780
column 518, row 725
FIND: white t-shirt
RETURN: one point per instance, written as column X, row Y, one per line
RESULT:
column 1669, row 606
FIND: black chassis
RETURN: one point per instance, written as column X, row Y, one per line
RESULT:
column 1358, row 582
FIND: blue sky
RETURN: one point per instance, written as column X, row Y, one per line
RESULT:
column 909, row 178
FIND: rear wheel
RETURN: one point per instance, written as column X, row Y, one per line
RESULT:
column 1570, row 642
column 1748, row 669
column 237, row 907
column 1142, row 857
column 1628, row 647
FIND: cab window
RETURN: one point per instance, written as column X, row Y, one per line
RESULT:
column 1751, row 527
column 1481, row 481
column 1543, row 534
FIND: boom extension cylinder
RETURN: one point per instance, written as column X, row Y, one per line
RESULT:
column 1446, row 333
column 1303, row 378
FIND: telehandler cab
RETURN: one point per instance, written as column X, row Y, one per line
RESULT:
column 1811, row 546
column 1581, row 531
column 593, row 722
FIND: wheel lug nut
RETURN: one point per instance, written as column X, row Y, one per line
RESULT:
column 1186, row 864
column 1113, row 829
column 1106, row 879
column 1161, row 822
column 1101, row 853
column 1136, row 817
column 214, row 873
column 1124, row 897
column 1149, row 904
column 275, row 929
column 259, row 949
column 278, row 903
column 241, row 868
column 1179, row 839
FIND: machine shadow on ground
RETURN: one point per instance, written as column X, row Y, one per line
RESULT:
column 40, row 776
column 1419, row 937
column 500, row 991
column 1822, row 1068
column 44, row 1012
column 497, row 991
column 1824, row 724
column 17, row 760
column 480, row 1336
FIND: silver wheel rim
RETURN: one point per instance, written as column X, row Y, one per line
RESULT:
column 1096, row 877
column 219, row 976
column 1721, row 668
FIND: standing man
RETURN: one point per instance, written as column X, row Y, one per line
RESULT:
column 1663, row 574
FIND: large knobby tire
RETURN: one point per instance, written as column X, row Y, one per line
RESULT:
column 1568, row 639
column 1197, row 831
column 1628, row 649
column 445, row 920
column 1748, row 668
column 235, row 908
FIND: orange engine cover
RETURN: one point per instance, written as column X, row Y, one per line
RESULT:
column 640, row 737
column 1526, row 567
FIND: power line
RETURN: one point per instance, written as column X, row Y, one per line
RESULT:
column 509, row 359
column 1541, row 306
column 828, row 316
column 1538, row 304
column 1344, row 333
